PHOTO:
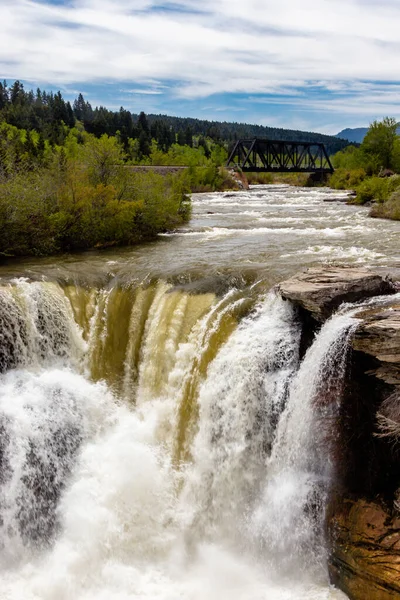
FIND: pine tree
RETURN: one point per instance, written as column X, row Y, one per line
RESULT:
column 144, row 143
column 3, row 95
column 143, row 123
column 181, row 138
column 189, row 137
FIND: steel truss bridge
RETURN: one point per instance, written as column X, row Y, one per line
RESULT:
column 277, row 156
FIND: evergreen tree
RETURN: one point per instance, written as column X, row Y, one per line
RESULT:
column 189, row 137
column 143, row 123
column 79, row 107
column 181, row 138
column 4, row 100
column 70, row 122
column 17, row 94
column 144, row 143
column 60, row 112
column 203, row 144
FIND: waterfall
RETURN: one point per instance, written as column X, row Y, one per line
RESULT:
column 162, row 444
column 290, row 513
column 37, row 326
column 240, row 404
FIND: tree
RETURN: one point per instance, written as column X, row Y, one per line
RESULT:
column 143, row 123
column 144, row 144
column 17, row 93
column 203, row 144
column 79, row 107
column 181, row 138
column 102, row 158
column 379, row 141
column 189, row 137
column 3, row 94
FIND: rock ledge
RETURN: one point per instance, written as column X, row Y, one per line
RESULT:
column 320, row 290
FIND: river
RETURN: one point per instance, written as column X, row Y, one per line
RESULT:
column 158, row 437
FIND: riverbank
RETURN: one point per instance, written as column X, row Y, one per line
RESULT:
column 78, row 206
column 381, row 192
column 372, row 169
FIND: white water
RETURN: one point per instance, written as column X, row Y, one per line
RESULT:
column 93, row 506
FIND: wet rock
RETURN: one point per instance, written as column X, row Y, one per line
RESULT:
column 379, row 335
column 365, row 558
column 364, row 535
column 239, row 178
column 320, row 290
column 338, row 199
column 386, row 173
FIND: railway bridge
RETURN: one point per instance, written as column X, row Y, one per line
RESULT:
column 278, row 156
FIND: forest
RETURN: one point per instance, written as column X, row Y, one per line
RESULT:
column 47, row 113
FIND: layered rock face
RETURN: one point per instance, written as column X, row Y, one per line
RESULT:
column 379, row 336
column 365, row 562
column 363, row 517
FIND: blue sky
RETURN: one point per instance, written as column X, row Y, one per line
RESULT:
column 319, row 65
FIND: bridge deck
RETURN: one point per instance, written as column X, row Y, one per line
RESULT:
column 269, row 156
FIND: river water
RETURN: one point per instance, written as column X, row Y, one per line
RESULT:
column 160, row 433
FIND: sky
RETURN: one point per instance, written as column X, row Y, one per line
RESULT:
column 315, row 65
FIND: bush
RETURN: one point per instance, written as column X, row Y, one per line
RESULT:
column 75, row 205
column 389, row 209
column 378, row 189
column 259, row 178
column 344, row 179
column 373, row 188
column 350, row 158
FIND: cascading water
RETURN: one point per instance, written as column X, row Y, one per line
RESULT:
column 193, row 470
column 239, row 406
column 289, row 516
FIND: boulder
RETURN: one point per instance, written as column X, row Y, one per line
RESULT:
column 320, row 290
column 365, row 550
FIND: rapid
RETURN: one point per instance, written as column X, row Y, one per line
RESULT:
column 160, row 431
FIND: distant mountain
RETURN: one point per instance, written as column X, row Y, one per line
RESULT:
column 353, row 135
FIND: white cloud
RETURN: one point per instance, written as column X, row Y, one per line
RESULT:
column 256, row 47
column 144, row 92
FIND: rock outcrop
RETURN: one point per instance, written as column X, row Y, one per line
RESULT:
column 320, row 290
column 239, row 178
column 379, row 335
column 365, row 562
column 363, row 522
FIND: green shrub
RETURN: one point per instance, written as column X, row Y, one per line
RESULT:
column 378, row 189
column 350, row 158
column 79, row 204
column 259, row 178
column 389, row 209
column 373, row 188
column 344, row 179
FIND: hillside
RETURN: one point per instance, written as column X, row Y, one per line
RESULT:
column 229, row 132
column 355, row 135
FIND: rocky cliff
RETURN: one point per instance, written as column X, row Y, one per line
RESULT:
column 363, row 516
